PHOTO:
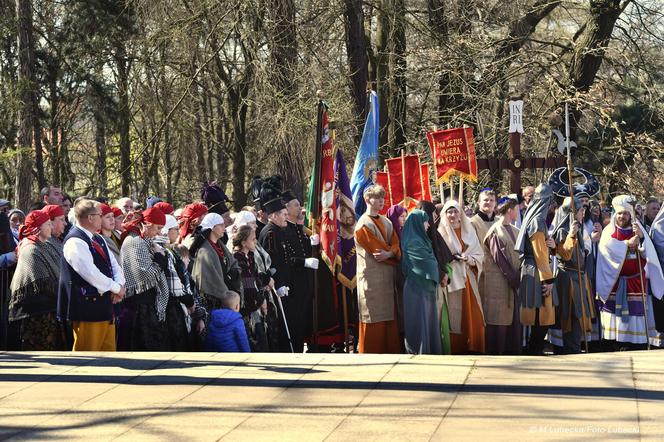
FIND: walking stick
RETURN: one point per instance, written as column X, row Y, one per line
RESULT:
column 572, row 214
column 283, row 315
column 643, row 299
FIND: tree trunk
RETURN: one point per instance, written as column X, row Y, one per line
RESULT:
column 397, row 104
column 222, row 162
column 383, row 34
column 438, row 22
column 283, row 48
column 124, row 118
column 283, row 54
column 100, row 143
column 209, row 134
column 592, row 43
column 590, row 48
column 356, row 50
column 56, row 159
column 26, row 113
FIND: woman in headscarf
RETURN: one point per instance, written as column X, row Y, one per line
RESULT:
column 34, row 286
column 14, row 218
column 181, row 309
column 145, row 265
column 255, row 308
column 190, row 218
column 397, row 215
column 262, row 261
column 107, row 230
column 213, row 267
column 181, row 301
column 242, row 218
column 444, row 260
column 464, row 303
column 58, row 224
column 421, row 322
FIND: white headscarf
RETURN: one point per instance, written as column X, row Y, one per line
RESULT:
column 171, row 223
column 244, row 217
column 473, row 248
column 211, row 220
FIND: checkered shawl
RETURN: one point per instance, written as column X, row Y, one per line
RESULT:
column 175, row 284
column 143, row 273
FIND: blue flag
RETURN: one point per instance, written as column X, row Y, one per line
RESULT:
column 366, row 161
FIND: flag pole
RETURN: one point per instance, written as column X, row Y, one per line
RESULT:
column 572, row 219
column 403, row 176
column 441, row 186
column 315, row 250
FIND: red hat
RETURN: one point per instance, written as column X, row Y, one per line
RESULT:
column 53, row 211
column 165, row 207
column 105, row 209
column 117, row 212
column 154, row 216
column 190, row 213
column 33, row 222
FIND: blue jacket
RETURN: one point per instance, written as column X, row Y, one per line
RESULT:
column 226, row 332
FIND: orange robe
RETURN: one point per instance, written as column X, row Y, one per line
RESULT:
column 380, row 336
column 471, row 338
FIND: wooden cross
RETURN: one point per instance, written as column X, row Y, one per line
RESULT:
column 516, row 163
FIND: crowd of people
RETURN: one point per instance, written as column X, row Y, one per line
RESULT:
column 521, row 273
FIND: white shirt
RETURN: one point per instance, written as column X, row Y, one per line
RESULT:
column 78, row 256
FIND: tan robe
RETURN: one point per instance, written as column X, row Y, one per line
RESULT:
column 378, row 328
column 497, row 295
column 481, row 228
column 547, row 313
column 375, row 280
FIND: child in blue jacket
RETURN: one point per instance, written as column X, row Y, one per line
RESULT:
column 226, row 330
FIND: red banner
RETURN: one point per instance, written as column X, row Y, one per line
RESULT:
column 383, row 180
column 328, row 223
column 426, row 184
column 453, row 152
column 405, row 179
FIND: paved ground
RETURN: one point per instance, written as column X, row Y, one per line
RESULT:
column 204, row 396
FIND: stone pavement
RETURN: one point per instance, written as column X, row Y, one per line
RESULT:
column 338, row 397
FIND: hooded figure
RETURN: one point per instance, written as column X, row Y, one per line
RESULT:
column 538, row 297
column 34, row 286
column 572, row 250
column 213, row 267
column 463, row 299
column 419, row 265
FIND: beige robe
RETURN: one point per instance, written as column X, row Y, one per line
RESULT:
column 375, row 280
column 496, row 293
column 460, row 269
column 481, row 228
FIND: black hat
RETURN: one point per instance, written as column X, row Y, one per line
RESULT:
column 288, row 196
column 214, row 198
column 273, row 206
column 255, row 191
column 271, row 188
